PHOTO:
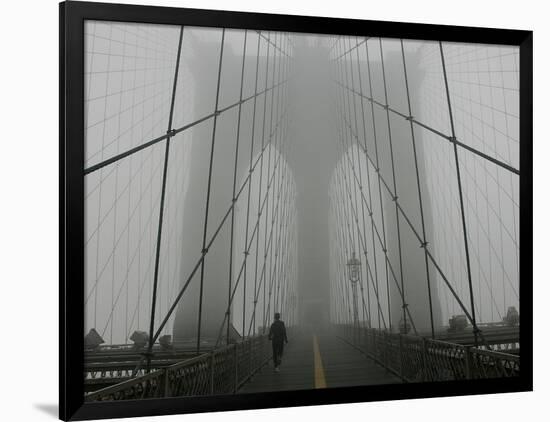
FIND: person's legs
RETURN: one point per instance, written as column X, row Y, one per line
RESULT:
column 279, row 351
column 275, row 353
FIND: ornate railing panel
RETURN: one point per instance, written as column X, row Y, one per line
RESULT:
column 93, row 372
column 417, row 359
column 189, row 378
column 445, row 361
column 491, row 364
column 222, row 371
column 146, row 386
column 413, row 359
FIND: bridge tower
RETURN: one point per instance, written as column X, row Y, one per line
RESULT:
column 312, row 157
column 419, row 276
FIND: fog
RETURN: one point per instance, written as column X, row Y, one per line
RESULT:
column 283, row 164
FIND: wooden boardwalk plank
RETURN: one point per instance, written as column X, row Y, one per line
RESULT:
column 343, row 366
column 296, row 369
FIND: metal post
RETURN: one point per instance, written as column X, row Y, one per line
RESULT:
column 401, row 356
column 166, row 392
column 235, row 357
column 212, row 373
column 468, row 362
column 386, row 349
column 250, row 357
column 424, row 360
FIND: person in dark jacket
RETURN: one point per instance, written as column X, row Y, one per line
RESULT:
column 277, row 335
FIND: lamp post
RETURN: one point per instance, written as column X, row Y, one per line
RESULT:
column 354, row 266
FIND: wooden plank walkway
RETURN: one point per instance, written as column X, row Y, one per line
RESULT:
column 319, row 361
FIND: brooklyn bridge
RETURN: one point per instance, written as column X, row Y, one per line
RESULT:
column 367, row 189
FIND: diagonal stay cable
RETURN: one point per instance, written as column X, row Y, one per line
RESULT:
column 197, row 265
column 173, row 132
column 430, row 255
column 440, row 134
column 209, row 191
column 343, row 219
column 161, row 207
column 233, row 198
column 239, row 276
column 460, row 195
column 419, row 190
column 388, row 262
column 249, row 172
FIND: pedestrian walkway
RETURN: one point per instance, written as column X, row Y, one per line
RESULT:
column 319, row 361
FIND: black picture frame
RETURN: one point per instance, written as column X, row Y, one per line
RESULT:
column 71, row 219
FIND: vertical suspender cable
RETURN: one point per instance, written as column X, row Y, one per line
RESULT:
column 462, row 213
column 424, row 242
column 246, row 252
column 161, row 209
column 234, row 200
column 204, row 250
column 403, row 302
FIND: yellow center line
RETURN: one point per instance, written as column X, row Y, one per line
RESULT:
column 319, row 371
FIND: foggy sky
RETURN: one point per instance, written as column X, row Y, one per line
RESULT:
column 129, row 81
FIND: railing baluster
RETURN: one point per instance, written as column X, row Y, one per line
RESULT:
column 424, row 359
column 236, row 373
column 468, row 362
column 401, row 371
column 212, row 373
column 166, row 378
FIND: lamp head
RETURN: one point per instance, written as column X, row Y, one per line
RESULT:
column 353, row 266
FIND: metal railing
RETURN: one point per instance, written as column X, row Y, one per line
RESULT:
column 420, row 359
column 222, row 371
